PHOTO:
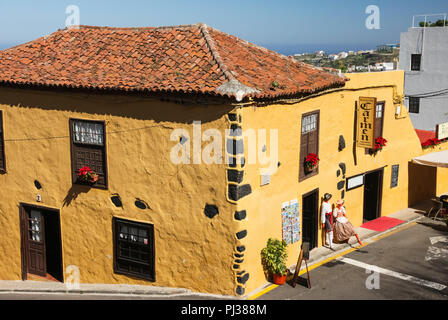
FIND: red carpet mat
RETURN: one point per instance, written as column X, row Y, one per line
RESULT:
column 382, row 224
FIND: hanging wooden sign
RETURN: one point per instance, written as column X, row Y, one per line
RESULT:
column 365, row 122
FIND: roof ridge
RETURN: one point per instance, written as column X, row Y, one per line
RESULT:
column 82, row 26
column 215, row 54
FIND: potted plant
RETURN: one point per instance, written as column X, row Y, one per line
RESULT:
column 274, row 257
column 311, row 162
column 87, row 176
column 431, row 143
column 380, row 142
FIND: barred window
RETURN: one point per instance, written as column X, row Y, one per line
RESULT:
column 2, row 145
column 88, row 132
column 414, row 105
column 88, row 148
column 416, row 60
column 134, row 249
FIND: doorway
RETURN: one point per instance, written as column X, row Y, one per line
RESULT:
column 373, row 194
column 41, row 243
column 310, row 218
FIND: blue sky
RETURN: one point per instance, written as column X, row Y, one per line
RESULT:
column 287, row 26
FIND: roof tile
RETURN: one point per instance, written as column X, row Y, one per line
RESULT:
column 191, row 58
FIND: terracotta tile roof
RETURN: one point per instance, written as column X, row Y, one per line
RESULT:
column 184, row 59
column 425, row 135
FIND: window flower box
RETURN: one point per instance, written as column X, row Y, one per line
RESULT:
column 311, row 162
column 87, row 176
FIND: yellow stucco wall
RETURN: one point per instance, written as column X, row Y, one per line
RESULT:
column 336, row 118
column 192, row 250
column 441, row 173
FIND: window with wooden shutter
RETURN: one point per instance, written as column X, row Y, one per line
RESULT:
column 134, row 249
column 379, row 119
column 309, row 141
column 88, row 147
column 414, row 105
column 2, row 145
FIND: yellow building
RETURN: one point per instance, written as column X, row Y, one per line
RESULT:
column 177, row 122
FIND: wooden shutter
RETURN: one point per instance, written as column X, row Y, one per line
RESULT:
column 309, row 141
column 93, row 156
column 379, row 119
column 2, row 145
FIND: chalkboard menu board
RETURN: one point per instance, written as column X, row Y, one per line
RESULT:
column 394, row 179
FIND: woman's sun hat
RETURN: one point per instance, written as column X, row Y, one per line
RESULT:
column 340, row 202
column 327, row 196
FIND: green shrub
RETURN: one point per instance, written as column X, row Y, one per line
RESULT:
column 274, row 256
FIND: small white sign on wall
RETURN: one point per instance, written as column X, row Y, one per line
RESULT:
column 355, row 182
column 265, row 179
column 442, row 130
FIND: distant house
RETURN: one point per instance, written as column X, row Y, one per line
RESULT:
column 423, row 57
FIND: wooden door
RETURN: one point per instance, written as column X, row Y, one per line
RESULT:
column 310, row 218
column 33, row 237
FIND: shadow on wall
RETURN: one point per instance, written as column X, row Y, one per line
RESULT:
column 129, row 105
column 73, row 193
column 422, row 183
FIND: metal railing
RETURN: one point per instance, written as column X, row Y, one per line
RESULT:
column 426, row 22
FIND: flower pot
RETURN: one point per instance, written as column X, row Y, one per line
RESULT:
column 309, row 169
column 279, row 279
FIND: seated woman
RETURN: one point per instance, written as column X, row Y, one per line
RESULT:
column 343, row 229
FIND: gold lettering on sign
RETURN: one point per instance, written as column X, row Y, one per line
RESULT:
column 365, row 122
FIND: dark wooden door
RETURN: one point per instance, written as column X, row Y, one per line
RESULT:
column 373, row 183
column 310, row 218
column 34, row 241
column 309, row 140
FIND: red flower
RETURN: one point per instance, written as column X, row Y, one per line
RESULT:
column 380, row 142
column 312, row 160
column 85, row 171
column 431, row 142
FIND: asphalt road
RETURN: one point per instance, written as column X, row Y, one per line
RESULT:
column 413, row 266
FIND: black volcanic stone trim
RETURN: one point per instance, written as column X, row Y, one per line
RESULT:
column 211, row 210
column 235, row 147
column 338, row 173
column 235, row 175
column 232, row 116
column 342, row 194
column 341, row 143
column 240, row 215
column 241, row 234
column 239, row 260
column 116, row 200
column 240, row 118
column 342, row 166
column 236, row 130
column 237, row 192
column 236, row 266
column 341, row 185
column 243, row 279
column 241, row 248
column 241, row 272
column 239, row 255
column 240, row 290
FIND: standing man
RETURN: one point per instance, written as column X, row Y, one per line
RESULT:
column 327, row 219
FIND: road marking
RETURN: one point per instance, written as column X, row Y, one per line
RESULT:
column 435, row 253
column 434, row 240
column 394, row 274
